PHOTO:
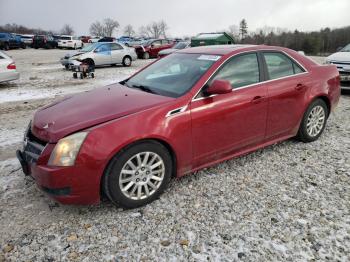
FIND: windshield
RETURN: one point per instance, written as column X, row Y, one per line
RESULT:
column 173, row 75
column 346, row 48
column 91, row 47
column 180, row 45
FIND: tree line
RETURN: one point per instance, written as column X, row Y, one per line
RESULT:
column 322, row 42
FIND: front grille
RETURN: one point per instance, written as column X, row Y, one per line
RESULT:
column 344, row 73
column 340, row 63
column 33, row 147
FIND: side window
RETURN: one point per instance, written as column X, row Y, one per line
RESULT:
column 165, row 42
column 103, row 48
column 116, row 47
column 241, row 71
column 279, row 65
column 157, row 43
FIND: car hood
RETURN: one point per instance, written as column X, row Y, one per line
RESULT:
column 87, row 109
column 72, row 54
column 340, row 57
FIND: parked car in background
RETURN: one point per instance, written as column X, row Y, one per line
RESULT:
column 176, row 47
column 20, row 41
column 68, row 41
column 99, row 54
column 107, row 39
column 8, row 70
column 85, row 39
column 130, row 41
column 187, row 111
column 27, row 39
column 9, row 41
column 94, row 39
column 44, row 41
column 151, row 48
column 341, row 59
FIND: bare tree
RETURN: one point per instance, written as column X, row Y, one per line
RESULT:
column 104, row 29
column 110, row 26
column 143, row 32
column 67, row 30
column 96, row 29
column 129, row 30
column 163, row 28
column 233, row 30
column 157, row 29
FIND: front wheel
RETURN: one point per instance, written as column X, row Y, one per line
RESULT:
column 138, row 174
column 146, row 55
column 314, row 121
column 127, row 61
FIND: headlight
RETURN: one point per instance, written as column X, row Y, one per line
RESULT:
column 67, row 149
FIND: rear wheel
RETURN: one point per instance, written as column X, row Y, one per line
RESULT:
column 146, row 55
column 127, row 61
column 314, row 121
column 6, row 46
column 138, row 174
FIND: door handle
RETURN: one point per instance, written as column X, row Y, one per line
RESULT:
column 257, row 99
column 300, row 87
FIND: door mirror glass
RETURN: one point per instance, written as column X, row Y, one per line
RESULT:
column 219, row 86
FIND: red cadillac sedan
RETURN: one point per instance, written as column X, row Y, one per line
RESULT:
column 189, row 110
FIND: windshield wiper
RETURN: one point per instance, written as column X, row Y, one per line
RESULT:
column 143, row 88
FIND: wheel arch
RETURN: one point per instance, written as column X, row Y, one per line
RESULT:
column 150, row 139
column 327, row 101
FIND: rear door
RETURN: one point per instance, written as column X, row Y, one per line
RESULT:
column 287, row 85
column 117, row 52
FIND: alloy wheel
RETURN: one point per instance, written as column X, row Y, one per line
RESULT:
column 142, row 175
column 315, row 121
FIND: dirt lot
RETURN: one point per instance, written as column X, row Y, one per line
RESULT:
column 290, row 201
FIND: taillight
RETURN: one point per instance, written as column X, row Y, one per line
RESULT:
column 11, row 66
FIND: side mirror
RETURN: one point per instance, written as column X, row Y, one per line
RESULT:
column 219, row 87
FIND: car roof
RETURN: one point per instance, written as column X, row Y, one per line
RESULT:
column 215, row 49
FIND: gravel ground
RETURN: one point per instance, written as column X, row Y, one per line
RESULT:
column 289, row 201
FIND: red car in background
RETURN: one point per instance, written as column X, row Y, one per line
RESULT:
column 151, row 48
column 189, row 110
column 85, row 39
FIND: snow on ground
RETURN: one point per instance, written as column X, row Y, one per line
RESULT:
column 287, row 202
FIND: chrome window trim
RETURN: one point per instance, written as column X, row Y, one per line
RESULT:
column 262, row 82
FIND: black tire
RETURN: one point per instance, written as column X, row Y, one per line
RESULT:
column 92, row 75
column 110, row 183
column 127, row 61
column 303, row 134
column 146, row 55
column 75, row 75
column 81, row 76
column 23, row 46
column 6, row 46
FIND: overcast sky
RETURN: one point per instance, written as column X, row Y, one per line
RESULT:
column 184, row 17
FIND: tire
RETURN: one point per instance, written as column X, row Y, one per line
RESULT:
column 75, row 46
column 313, row 122
column 23, row 46
column 66, row 67
column 81, row 76
column 6, row 46
column 75, row 75
column 146, row 55
column 132, row 197
column 127, row 61
column 92, row 75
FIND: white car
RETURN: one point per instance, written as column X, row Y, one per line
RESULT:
column 102, row 53
column 8, row 71
column 68, row 41
column 342, row 60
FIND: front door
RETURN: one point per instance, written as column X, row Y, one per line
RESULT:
column 103, row 55
column 226, row 123
column 117, row 53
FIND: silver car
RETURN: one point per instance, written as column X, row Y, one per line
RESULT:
column 99, row 54
column 8, row 71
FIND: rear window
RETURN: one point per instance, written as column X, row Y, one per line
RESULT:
column 66, row 38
